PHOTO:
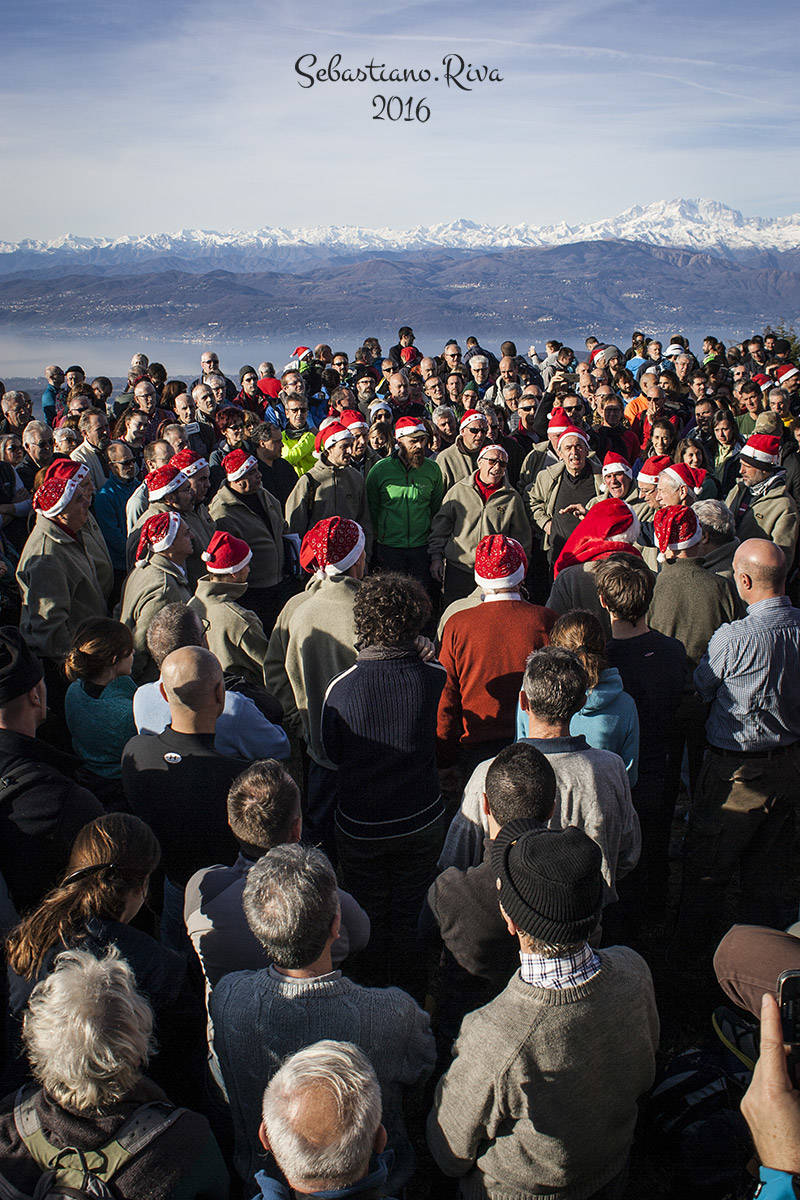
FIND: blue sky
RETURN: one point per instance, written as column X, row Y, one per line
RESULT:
column 175, row 115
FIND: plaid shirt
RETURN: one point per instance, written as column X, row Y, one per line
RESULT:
column 569, row 971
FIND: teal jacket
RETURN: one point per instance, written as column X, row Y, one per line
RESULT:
column 402, row 501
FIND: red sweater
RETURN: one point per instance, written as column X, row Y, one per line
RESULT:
column 484, row 649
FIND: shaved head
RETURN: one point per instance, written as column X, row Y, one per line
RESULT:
column 191, row 677
column 764, row 563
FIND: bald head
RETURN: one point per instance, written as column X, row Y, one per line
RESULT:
column 759, row 569
column 192, row 681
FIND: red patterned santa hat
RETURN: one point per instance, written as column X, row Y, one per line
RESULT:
column 609, row 527
column 762, row 450
column 559, row 421
column 354, row 421
column 409, row 427
column 164, row 480
column 60, row 483
column 572, row 431
column 678, row 474
column 652, row 468
column 226, row 554
column 500, row 563
column 158, row 533
column 188, row 461
column 676, row 528
column 615, row 464
column 333, row 546
column 787, row 371
column 331, row 433
column 238, row 463
column 472, row 417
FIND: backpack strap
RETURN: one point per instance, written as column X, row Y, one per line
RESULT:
column 142, row 1127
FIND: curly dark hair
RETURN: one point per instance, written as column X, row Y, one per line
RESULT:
column 390, row 610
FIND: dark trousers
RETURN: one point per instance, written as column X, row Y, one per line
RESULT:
column 644, row 892
column 413, row 561
column 458, row 583
column 267, row 602
column 389, row 878
column 742, row 821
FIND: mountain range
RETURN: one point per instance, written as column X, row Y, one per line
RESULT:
column 672, row 263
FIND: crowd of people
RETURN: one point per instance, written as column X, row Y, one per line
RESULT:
column 344, row 713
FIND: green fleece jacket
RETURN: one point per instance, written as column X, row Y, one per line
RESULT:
column 465, row 518
column 235, row 634
column 308, row 648
column 403, row 501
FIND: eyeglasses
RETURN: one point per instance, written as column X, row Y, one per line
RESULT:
column 494, row 462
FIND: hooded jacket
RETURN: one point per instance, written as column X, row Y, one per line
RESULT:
column 263, row 531
column 235, row 634
column 152, row 584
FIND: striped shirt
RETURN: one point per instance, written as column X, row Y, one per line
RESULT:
column 556, row 974
column 751, row 675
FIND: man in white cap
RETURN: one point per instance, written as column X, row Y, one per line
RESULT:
column 332, row 488
column 404, row 491
column 560, row 493
column 760, row 504
column 460, row 460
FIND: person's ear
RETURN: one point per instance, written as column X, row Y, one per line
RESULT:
column 262, row 1137
column 381, row 1138
column 485, row 803
column 336, row 924
column 296, row 830
column 510, row 926
column 523, row 702
column 602, row 602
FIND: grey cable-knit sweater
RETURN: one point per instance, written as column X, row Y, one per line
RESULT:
column 260, row 1017
column 540, row 1100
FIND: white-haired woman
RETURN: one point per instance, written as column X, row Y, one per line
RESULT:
column 88, row 1034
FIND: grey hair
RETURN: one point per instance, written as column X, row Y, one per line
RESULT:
column 7, row 397
column 216, row 376
column 86, row 416
column 199, row 389
column 555, row 684
column 173, row 627
column 65, row 431
column 479, row 358
column 348, row 1077
column 87, row 1030
column 290, row 901
column 442, row 410
column 36, row 427
column 716, row 519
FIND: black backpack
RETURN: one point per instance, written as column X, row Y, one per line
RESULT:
column 83, row 1174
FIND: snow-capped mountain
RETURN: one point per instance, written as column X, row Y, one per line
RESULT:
column 702, row 225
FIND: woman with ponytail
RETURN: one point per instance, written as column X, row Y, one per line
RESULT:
column 103, row 888
column 99, row 702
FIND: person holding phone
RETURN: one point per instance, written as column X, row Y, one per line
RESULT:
column 771, row 1107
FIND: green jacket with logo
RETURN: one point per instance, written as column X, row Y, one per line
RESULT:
column 403, row 501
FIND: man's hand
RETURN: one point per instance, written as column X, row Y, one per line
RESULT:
column 425, row 648
column 771, row 1105
column 437, row 568
column 574, row 510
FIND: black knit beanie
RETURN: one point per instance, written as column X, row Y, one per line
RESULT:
column 247, row 370
column 549, row 881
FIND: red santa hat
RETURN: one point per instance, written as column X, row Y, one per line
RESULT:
column 500, row 563
column 762, row 450
column 408, row 427
column 238, row 463
column 652, row 468
column 616, row 464
column 226, row 554
column 559, row 421
column 158, row 533
column 164, row 480
column 497, row 449
column 609, row 527
column 472, row 417
column 676, row 528
column 572, row 431
column 787, row 371
column 188, row 461
column 331, row 433
column 678, row 474
column 60, row 483
column 764, row 382
column 331, row 547
column 410, row 356
column 595, row 353
column 354, row 421
column 301, row 352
